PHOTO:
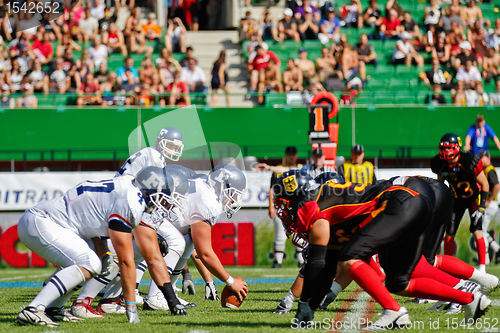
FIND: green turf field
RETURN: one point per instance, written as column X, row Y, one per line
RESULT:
column 255, row 315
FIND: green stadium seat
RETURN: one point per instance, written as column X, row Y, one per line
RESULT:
column 406, row 99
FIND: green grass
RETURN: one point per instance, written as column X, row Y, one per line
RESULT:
column 255, row 315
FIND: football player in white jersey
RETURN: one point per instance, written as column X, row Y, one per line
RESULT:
column 208, row 198
column 57, row 230
column 169, row 146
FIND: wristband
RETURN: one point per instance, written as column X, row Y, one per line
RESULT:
column 130, row 303
column 482, row 197
column 229, row 280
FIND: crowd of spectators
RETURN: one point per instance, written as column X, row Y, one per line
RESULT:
column 461, row 45
column 42, row 59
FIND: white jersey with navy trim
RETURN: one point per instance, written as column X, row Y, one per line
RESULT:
column 145, row 157
column 202, row 204
column 88, row 207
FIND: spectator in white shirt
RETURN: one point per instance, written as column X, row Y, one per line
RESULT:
column 98, row 52
column 404, row 52
column 469, row 74
column 88, row 25
column 194, row 77
column 97, row 10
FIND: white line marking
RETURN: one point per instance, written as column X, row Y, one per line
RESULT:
column 495, row 302
column 356, row 312
column 22, row 277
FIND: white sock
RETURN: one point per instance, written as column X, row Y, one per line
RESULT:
column 482, row 268
column 335, row 288
column 289, row 299
column 61, row 301
column 479, row 277
column 278, row 257
column 59, row 285
column 94, row 286
column 171, row 260
column 140, row 270
column 114, row 288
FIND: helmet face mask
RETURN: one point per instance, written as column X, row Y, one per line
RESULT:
column 449, row 147
column 229, row 184
column 232, row 200
column 171, row 149
column 169, row 143
column 160, row 193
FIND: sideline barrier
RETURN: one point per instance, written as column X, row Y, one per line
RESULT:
column 101, row 133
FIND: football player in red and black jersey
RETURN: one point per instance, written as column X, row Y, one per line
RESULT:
column 347, row 224
column 464, row 173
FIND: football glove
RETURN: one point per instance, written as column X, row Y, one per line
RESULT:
column 109, row 265
column 476, row 219
column 304, row 312
column 132, row 315
column 282, row 308
column 188, row 286
column 211, row 292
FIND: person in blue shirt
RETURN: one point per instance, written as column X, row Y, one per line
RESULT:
column 329, row 27
column 478, row 135
column 128, row 66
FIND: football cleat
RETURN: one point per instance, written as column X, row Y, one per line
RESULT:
column 488, row 284
column 35, row 316
column 82, row 308
column 329, row 298
column 186, row 303
column 417, row 300
column 477, row 308
column 156, row 302
column 282, row 308
column 391, row 319
column 61, row 314
column 454, row 309
column 439, row 306
column 138, row 297
column 111, row 305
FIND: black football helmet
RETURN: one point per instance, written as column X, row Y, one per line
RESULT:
column 291, row 189
column 449, row 146
column 329, row 176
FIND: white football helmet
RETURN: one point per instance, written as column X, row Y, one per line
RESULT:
column 169, row 143
column 229, row 183
column 161, row 193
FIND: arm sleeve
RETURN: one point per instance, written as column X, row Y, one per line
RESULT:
column 490, row 131
column 307, row 215
column 478, row 167
column 470, row 132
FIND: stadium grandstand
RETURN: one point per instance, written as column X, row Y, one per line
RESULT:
column 132, row 55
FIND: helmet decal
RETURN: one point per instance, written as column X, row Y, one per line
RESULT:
column 290, row 184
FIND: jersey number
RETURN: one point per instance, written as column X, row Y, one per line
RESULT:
column 129, row 161
column 464, row 187
column 106, row 187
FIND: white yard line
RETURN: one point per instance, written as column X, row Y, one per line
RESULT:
column 23, row 277
column 495, row 302
column 356, row 312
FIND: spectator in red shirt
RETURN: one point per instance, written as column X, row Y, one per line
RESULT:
column 90, row 88
column 42, row 48
column 178, row 90
column 259, row 63
column 390, row 27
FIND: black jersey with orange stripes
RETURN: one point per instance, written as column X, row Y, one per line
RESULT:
column 348, row 206
column 461, row 176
